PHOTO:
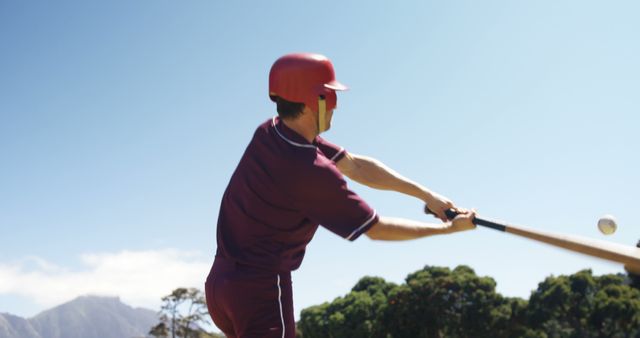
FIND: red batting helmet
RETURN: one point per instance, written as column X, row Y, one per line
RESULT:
column 304, row 78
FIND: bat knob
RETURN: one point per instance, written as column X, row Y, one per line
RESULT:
column 450, row 213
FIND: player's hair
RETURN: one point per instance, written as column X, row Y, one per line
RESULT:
column 287, row 109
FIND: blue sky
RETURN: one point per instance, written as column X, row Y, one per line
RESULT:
column 122, row 121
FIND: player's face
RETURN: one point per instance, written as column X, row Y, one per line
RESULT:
column 329, row 116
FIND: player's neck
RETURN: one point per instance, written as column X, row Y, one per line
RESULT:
column 303, row 126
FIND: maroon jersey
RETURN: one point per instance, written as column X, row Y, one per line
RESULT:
column 282, row 189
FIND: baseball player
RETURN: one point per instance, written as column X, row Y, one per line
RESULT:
column 289, row 181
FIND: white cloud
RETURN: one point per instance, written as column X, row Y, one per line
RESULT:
column 139, row 278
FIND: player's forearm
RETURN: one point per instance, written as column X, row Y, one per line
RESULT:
column 375, row 174
column 399, row 229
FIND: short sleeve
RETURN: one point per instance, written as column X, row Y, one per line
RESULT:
column 331, row 151
column 326, row 200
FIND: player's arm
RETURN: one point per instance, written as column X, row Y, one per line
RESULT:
column 373, row 173
column 398, row 229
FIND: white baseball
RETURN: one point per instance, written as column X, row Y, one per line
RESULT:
column 607, row 224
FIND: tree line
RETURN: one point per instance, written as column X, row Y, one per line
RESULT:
column 439, row 302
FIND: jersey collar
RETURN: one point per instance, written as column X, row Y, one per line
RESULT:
column 289, row 135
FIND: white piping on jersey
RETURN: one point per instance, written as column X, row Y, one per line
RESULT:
column 288, row 140
column 280, row 303
column 362, row 226
column 336, row 155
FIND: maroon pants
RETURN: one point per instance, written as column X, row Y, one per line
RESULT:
column 245, row 302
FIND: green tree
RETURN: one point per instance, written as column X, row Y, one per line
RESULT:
column 583, row 306
column 434, row 302
column 438, row 302
column 160, row 330
column 181, row 315
column 634, row 279
column 355, row 315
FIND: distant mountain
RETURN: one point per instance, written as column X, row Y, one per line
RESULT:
column 12, row 326
column 84, row 317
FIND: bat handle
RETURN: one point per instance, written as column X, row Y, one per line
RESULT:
column 450, row 213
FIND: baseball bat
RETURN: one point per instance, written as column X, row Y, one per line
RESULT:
column 627, row 255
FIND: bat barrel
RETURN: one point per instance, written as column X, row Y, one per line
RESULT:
column 606, row 250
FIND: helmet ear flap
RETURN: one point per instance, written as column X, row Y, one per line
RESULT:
column 322, row 114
